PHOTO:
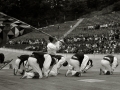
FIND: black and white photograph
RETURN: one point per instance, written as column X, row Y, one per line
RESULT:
column 59, row 44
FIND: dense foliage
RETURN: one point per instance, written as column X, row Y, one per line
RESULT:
column 40, row 13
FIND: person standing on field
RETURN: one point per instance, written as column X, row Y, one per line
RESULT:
column 52, row 48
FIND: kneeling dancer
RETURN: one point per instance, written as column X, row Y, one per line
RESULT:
column 21, row 64
column 88, row 66
column 40, row 63
column 108, row 64
column 55, row 69
column 53, row 46
column 78, row 63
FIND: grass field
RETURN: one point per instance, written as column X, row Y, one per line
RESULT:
column 89, row 81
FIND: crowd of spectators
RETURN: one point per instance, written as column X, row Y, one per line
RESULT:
column 93, row 26
column 28, row 41
column 30, row 44
column 105, row 43
column 89, row 44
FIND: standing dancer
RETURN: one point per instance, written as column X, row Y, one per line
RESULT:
column 42, row 63
column 52, row 48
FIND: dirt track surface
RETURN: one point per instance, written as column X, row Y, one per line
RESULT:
column 88, row 81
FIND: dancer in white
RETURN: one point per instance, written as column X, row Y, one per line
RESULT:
column 21, row 64
column 78, row 63
column 46, row 63
column 108, row 64
column 52, row 48
column 40, row 63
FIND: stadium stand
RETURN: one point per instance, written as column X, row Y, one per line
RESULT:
column 98, row 34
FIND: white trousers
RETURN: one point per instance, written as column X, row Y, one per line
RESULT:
column 74, row 65
column 88, row 66
column 105, row 65
column 18, row 71
column 29, row 75
column 55, row 69
column 84, row 63
column 46, row 65
column 36, row 68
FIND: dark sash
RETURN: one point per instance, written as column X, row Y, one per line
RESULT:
column 2, row 57
column 109, row 58
column 22, row 59
column 79, row 57
column 58, row 57
column 90, row 61
column 40, row 58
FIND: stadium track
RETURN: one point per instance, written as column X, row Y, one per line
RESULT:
column 89, row 81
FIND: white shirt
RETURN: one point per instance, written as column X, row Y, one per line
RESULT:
column 115, row 63
column 53, row 48
column 84, row 62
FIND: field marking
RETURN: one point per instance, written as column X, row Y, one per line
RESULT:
column 91, row 80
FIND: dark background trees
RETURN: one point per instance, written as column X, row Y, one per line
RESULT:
column 40, row 13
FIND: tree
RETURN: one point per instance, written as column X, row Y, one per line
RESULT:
column 116, row 6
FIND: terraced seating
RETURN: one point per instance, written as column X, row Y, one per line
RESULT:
column 103, row 19
column 52, row 30
column 59, row 29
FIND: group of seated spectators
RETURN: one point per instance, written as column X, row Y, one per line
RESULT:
column 111, row 24
column 28, row 41
column 29, row 44
column 105, row 43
